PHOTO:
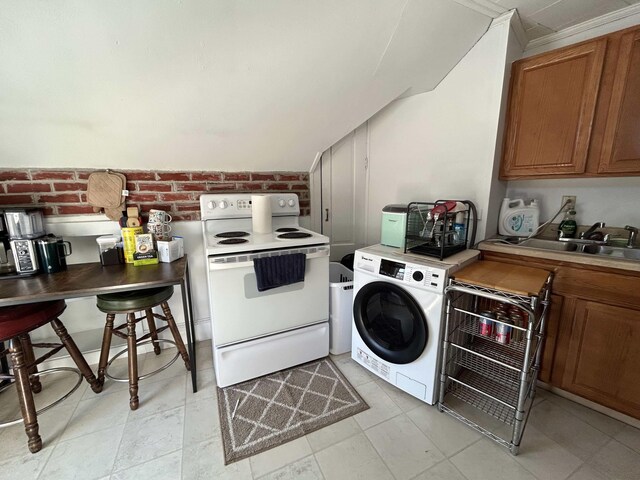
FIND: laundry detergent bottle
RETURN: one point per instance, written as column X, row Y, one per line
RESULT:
column 518, row 218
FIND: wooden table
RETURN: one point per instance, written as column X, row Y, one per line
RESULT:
column 88, row 279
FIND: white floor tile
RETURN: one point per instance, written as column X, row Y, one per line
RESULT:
column 206, row 386
column 443, row 471
column 84, row 458
column 168, row 467
column 204, row 356
column 205, row 461
column 448, row 434
column 150, row 437
column 159, row 395
column 585, row 472
column 602, row 422
column 617, row 461
column 405, row 401
column 353, row 458
column 334, row 433
column 630, row 436
column 381, row 407
column 201, row 421
column 403, row 447
column 27, row 466
column 356, row 374
column 577, row 436
column 485, row 460
column 304, row 469
column 545, row 458
column 278, row 457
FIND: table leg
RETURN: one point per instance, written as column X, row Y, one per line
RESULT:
column 185, row 287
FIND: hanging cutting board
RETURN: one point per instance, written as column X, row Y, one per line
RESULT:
column 106, row 190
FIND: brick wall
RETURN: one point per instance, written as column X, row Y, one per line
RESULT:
column 63, row 192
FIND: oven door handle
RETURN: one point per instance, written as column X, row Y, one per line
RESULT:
column 213, row 265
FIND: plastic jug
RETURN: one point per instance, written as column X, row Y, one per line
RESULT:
column 517, row 218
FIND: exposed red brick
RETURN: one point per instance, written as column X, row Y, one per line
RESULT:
column 140, row 175
column 277, row 186
column 175, row 197
column 249, row 186
column 60, row 198
column 84, row 174
column 305, row 212
column 304, row 177
column 262, row 176
column 145, row 207
column 69, row 186
column 191, row 187
column 13, row 175
column 284, row 177
column 154, row 187
column 305, row 204
column 16, row 200
column 217, row 187
column 300, row 187
column 186, row 217
column 50, row 210
column 206, row 177
column 132, row 186
column 28, row 187
column 53, row 175
column 83, row 197
column 236, row 176
column 141, row 197
column 173, row 176
column 74, row 209
column 188, row 207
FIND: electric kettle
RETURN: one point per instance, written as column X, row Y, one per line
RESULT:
column 52, row 253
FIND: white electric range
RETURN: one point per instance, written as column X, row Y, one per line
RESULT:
column 255, row 333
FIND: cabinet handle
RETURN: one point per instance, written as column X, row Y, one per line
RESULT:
column 326, row 214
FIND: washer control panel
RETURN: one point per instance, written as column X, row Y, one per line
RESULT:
column 413, row 274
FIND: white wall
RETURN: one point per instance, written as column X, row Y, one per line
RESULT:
column 211, row 84
column 444, row 143
column 615, row 201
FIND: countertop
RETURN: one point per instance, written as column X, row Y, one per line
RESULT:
column 491, row 245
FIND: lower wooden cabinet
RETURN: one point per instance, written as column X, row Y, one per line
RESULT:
column 593, row 332
column 603, row 356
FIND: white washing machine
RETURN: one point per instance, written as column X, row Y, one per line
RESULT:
column 398, row 302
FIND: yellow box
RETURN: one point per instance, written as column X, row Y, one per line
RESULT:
column 129, row 242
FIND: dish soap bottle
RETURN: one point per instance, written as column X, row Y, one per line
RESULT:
column 568, row 226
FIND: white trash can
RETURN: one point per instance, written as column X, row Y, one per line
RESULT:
column 340, row 305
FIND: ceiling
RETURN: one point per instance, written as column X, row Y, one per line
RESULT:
column 543, row 17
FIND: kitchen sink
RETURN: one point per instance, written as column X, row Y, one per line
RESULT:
column 581, row 247
column 549, row 245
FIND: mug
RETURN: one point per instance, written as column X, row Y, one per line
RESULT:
column 158, row 216
column 159, row 230
column 52, row 252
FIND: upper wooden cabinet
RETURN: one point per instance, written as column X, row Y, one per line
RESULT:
column 621, row 141
column 575, row 111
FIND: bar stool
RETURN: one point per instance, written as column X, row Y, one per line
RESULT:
column 15, row 325
column 130, row 303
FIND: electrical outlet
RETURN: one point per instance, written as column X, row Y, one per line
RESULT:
column 571, row 199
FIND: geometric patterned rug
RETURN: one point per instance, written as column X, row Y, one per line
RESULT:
column 268, row 411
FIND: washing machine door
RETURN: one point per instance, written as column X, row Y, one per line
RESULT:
column 390, row 322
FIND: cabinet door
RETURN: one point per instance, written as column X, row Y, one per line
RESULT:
column 603, row 356
column 551, row 335
column 551, row 109
column 621, row 141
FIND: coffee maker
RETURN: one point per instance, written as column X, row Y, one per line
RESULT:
column 7, row 263
column 24, row 226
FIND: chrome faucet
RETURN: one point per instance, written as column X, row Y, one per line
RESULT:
column 592, row 229
column 633, row 233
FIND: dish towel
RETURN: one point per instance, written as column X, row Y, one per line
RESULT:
column 273, row 272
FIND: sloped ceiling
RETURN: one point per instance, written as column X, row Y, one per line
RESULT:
column 212, row 84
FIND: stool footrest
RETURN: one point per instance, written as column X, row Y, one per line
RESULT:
column 141, row 377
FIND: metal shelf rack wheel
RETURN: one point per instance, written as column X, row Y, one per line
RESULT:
column 491, row 355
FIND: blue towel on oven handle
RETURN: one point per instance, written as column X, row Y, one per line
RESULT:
column 280, row 270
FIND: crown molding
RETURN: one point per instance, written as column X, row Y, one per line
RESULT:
column 584, row 27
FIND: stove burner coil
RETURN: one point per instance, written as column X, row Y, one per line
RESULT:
column 294, row 235
column 287, row 229
column 232, row 235
column 232, row 241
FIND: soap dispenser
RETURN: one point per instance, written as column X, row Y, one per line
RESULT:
column 568, row 226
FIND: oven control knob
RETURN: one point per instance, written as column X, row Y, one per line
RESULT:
column 211, row 205
column 223, row 204
column 418, row 276
column 292, row 203
column 281, row 203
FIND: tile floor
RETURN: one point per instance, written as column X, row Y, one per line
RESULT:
column 175, row 434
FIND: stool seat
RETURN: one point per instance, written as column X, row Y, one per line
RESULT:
column 24, row 318
column 133, row 301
